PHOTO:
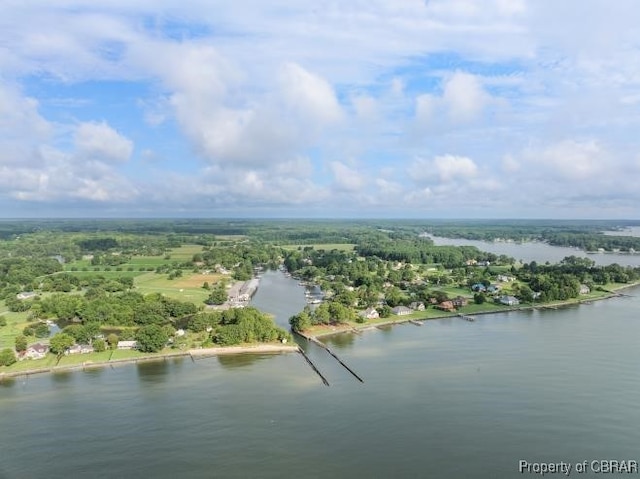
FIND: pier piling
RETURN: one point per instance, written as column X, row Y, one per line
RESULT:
column 324, row 346
column 313, row 366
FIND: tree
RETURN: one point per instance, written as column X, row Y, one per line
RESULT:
column 218, row 296
column 479, row 298
column 112, row 341
column 151, row 338
column 300, row 321
column 7, row 357
column 21, row 343
column 60, row 342
column 99, row 345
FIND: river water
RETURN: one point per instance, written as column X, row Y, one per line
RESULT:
column 540, row 252
column 451, row 399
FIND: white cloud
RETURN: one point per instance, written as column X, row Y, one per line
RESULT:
column 346, row 178
column 100, row 142
column 571, row 159
column 443, row 168
column 464, row 97
column 366, row 107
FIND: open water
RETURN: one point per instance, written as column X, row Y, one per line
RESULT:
column 451, row 399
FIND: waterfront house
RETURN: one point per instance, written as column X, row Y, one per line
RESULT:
column 369, row 313
column 446, row 306
column 459, row 302
column 401, row 310
column 417, row 306
column 478, row 288
column 584, row 289
column 36, row 351
column 127, row 344
column 509, row 300
column 503, row 278
column 80, row 349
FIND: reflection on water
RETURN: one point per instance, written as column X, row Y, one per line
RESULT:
column 234, row 361
column 340, row 341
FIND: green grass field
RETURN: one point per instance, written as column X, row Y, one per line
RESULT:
column 175, row 289
column 15, row 324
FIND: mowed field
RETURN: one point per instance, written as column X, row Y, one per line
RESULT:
column 139, row 263
column 186, row 288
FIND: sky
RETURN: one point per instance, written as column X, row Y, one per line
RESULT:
column 358, row 108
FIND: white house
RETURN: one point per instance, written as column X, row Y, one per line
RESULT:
column 36, row 351
column 127, row 344
column 369, row 313
column 80, row 349
column 509, row 300
column 417, row 306
column 401, row 310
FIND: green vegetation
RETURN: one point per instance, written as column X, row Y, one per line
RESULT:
column 106, row 281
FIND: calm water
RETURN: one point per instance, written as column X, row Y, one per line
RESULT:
column 450, row 399
column 540, row 252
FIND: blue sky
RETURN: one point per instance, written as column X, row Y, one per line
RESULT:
column 384, row 108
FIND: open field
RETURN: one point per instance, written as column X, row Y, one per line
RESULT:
column 319, row 246
column 187, row 288
column 184, row 252
column 15, row 324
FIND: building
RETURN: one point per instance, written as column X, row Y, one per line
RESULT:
column 36, row 351
column 509, row 300
column 446, row 306
column 478, row 288
column 401, row 310
column 127, row 344
column 459, row 302
column 26, row 295
column 417, row 306
column 80, row 349
column 584, row 289
column 369, row 313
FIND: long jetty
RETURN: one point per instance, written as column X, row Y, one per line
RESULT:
column 313, row 366
column 326, row 348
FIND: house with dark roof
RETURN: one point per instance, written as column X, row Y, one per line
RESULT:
column 36, row 351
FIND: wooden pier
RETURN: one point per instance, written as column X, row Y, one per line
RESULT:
column 467, row 318
column 414, row 322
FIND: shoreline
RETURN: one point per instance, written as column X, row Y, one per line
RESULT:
column 194, row 354
column 361, row 327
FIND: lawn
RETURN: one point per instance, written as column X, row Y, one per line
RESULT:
column 15, row 324
column 187, row 288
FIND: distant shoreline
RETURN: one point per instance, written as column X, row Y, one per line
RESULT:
column 192, row 353
column 358, row 328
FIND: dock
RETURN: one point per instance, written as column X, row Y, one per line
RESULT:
column 466, row 317
column 414, row 322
